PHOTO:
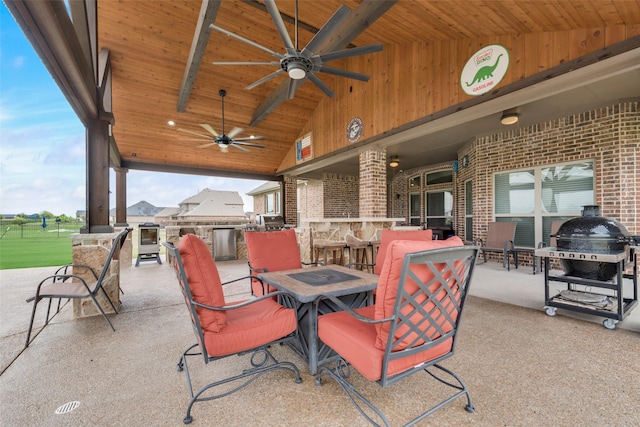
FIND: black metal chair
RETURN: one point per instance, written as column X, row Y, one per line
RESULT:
column 246, row 327
column 411, row 328
column 67, row 283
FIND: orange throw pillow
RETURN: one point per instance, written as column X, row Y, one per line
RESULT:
column 204, row 281
column 390, row 235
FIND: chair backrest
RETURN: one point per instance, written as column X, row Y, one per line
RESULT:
column 200, row 283
column 271, row 251
column 423, row 286
column 500, row 232
column 114, row 253
column 388, row 236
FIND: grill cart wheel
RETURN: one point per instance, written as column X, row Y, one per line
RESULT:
column 551, row 311
column 609, row 323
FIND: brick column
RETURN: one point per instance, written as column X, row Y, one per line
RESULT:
column 290, row 193
column 373, row 183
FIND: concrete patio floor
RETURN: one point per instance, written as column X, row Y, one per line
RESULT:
column 523, row 368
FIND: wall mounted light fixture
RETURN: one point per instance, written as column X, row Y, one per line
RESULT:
column 510, row 117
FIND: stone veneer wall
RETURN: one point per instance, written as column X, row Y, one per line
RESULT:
column 92, row 249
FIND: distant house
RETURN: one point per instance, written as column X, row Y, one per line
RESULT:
column 140, row 212
column 81, row 216
column 266, row 198
column 207, row 205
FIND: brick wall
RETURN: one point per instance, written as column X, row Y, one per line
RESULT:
column 290, row 200
column 340, row 196
column 373, row 184
column 608, row 136
column 311, row 199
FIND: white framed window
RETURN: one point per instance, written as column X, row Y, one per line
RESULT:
column 273, row 202
column 535, row 197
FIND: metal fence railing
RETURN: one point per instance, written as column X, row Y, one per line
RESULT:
column 9, row 229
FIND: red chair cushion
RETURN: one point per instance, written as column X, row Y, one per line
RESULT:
column 272, row 251
column 355, row 341
column 204, row 281
column 390, row 278
column 250, row 327
column 388, row 236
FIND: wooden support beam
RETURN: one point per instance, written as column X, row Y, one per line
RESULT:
column 358, row 20
column 208, row 13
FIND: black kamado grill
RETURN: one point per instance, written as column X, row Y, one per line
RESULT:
column 593, row 252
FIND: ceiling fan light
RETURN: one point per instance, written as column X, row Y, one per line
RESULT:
column 296, row 71
column 223, row 148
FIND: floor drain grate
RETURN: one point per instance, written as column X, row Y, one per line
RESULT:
column 67, row 407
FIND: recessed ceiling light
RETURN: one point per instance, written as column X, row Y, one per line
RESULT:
column 171, row 123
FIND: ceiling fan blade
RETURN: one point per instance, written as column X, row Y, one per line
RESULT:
column 193, row 133
column 244, row 40
column 249, row 138
column 235, row 141
column 279, row 23
column 234, row 132
column 346, row 53
column 241, row 148
column 344, row 73
column 207, row 145
column 209, row 129
column 247, row 63
column 323, row 87
column 294, row 85
column 326, row 31
column 264, row 79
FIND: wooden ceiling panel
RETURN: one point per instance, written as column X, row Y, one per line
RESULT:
column 149, row 42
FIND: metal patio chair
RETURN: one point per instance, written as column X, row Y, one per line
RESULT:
column 223, row 330
column 272, row 251
column 67, row 283
column 411, row 328
column 500, row 238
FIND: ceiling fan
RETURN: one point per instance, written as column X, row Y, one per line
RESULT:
column 224, row 141
column 303, row 64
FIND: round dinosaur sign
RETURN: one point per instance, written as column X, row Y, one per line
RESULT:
column 484, row 70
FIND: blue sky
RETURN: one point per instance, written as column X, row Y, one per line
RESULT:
column 42, row 144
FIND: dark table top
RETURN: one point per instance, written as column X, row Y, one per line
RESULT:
column 306, row 284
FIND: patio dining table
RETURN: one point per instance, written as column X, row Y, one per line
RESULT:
column 353, row 287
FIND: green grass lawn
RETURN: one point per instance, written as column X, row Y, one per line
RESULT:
column 34, row 252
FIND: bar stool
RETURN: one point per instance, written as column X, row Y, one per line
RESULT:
column 358, row 252
column 336, row 249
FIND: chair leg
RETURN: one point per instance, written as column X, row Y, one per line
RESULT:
column 95, row 301
column 33, row 315
column 262, row 361
column 340, row 373
column 108, row 299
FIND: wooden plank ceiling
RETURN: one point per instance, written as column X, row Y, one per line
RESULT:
column 150, row 41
